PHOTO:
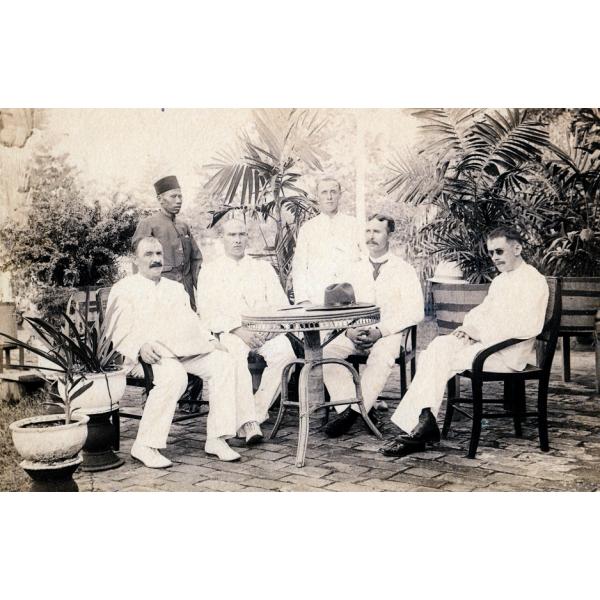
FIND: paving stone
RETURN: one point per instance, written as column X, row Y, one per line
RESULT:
column 460, row 479
column 345, row 468
column 263, row 484
column 346, row 486
column 266, row 455
column 266, row 464
column 420, row 472
column 219, row 486
column 416, row 481
column 139, row 488
column 387, row 485
column 291, row 487
column 308, row 481
column 457, row 487
column 184, row 477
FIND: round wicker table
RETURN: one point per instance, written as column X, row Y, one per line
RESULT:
column 310, row 322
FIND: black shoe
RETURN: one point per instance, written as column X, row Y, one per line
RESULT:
column 397, row 448
column 342, row 423
column 374, row 419
column 426, row 431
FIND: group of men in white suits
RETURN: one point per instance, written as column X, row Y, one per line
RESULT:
column 158, row 325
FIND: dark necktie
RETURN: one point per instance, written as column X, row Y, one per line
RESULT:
column 376, row 267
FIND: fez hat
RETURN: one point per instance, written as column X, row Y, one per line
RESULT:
column 339, row 296
column 166, row 184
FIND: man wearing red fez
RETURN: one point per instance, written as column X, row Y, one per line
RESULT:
column 182, row 257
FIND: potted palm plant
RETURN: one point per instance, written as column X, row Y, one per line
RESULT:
column 260, row 178
column 89, row 385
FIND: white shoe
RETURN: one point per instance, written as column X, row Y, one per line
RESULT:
column 220, row 448
column 253, row 432
column 150, row 457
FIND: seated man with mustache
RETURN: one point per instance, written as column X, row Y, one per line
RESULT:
column 390, row 282
column 153, row 321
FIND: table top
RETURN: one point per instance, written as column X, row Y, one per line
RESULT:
column 299, row 319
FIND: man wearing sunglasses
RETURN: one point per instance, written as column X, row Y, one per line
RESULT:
column 515, row 307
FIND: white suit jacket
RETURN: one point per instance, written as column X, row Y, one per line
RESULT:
column 228, row 288
column 515, row 307
column 155, row 312
column 397, row 291
column 326, row 251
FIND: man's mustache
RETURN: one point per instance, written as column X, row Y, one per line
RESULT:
column 156, row 263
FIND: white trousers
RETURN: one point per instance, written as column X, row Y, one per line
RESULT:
column 445, row 356
column 228, row 409
column 277, row 353
column 374, row 375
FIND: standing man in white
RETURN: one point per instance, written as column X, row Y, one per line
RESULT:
column 392, row 284
column 230, row 286
column 153, row 321
column 327, row 248
column 515, row 307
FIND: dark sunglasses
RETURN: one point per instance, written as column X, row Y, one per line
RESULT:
column 498, row 251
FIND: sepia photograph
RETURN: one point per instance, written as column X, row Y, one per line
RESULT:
column 300, row 299
column 335, row 265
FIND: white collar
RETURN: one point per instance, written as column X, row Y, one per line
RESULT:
column 235, row 262
column 381, row 259
column 516, row 271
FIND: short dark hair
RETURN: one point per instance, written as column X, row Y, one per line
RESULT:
column 506, row 232
column 391, row 224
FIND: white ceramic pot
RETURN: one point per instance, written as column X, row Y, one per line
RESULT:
column 51, row 443
column 97, row 398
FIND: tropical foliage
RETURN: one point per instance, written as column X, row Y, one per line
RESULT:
column 261, row 175
column 477, row 170
column 571, row 244
column 72, row 354
column 64, row 241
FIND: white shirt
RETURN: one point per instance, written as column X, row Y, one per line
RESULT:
column 397, row 291
column 228, row 288
column 326, row 251
column 146, row 311
column 515, row 307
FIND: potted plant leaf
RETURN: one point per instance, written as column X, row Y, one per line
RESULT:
column 89, row 384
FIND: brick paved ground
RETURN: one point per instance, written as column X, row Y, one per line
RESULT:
column 352, row 463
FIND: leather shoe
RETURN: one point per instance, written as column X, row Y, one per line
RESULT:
column 426, row 431
column 342, row 423
column 221, row 450
column 253, row 433
column 397, row 448
column 150, row 457
column 374, row 419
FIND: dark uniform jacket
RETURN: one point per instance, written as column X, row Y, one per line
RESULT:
column 181, row 255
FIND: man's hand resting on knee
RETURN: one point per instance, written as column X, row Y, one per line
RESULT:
column 151, row 353
column 253, row 339
column 461, row 334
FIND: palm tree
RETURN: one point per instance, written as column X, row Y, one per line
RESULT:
column 261, row 176
column 478, row 170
